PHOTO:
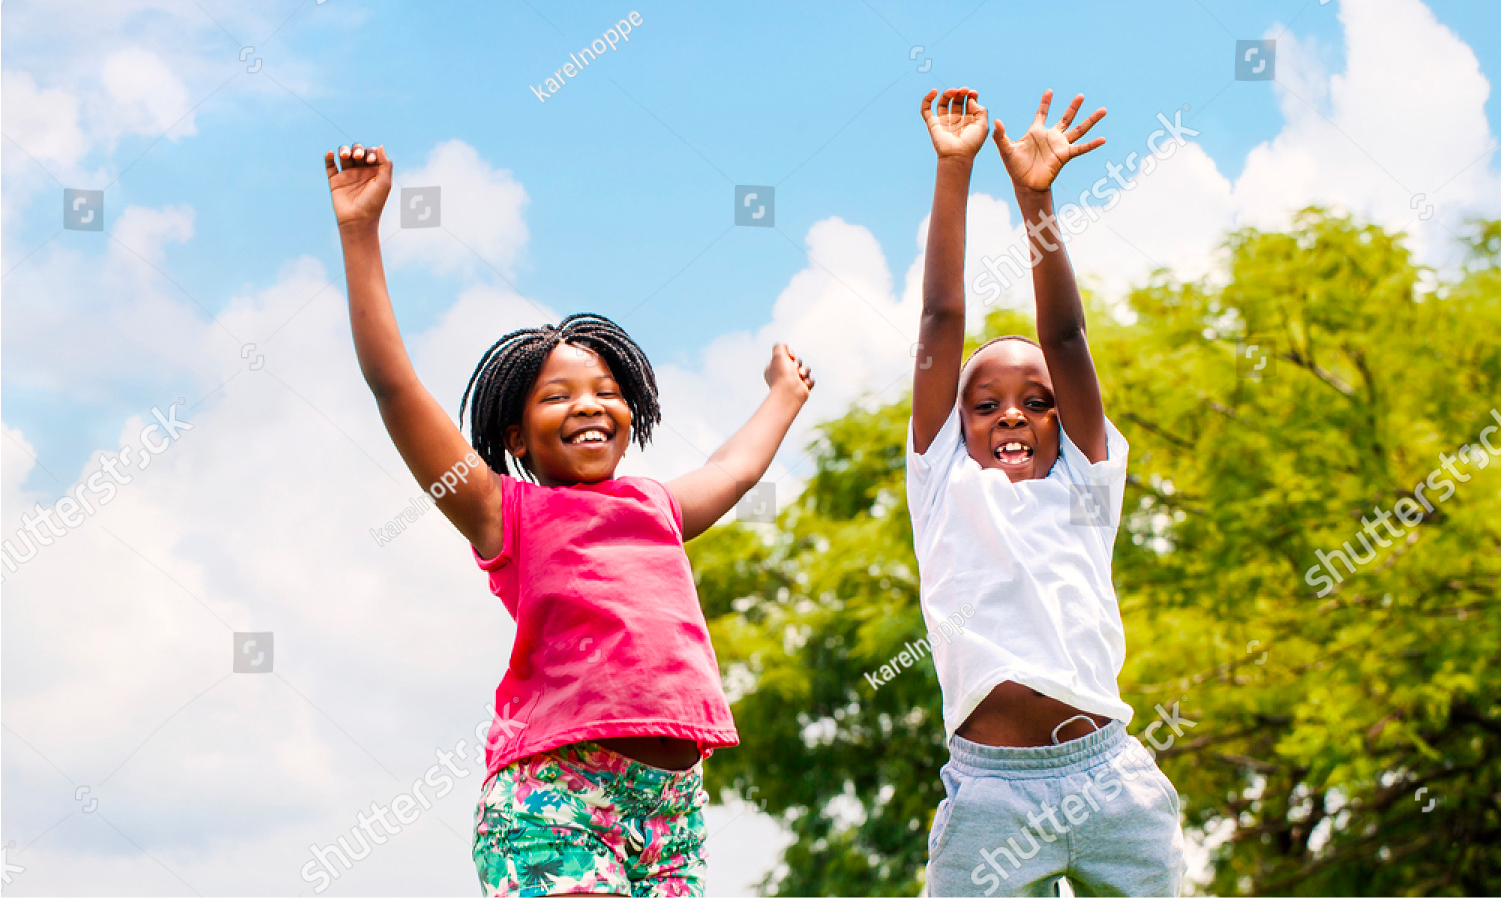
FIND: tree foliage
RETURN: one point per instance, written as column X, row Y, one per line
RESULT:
column 1310, row 385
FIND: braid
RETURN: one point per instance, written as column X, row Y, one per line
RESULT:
column 508, row 370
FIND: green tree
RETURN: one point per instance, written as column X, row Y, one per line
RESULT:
column 1268, row 412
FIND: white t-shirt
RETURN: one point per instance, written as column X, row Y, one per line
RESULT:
column 1032, row 561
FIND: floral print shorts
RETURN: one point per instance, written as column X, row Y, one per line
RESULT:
column 583, row 819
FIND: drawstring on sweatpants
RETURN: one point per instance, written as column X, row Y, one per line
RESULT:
column 1084, row 717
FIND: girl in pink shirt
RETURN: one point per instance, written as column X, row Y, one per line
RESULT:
column 612, row 696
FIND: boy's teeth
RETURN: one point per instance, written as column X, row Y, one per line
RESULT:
column 1013, row 446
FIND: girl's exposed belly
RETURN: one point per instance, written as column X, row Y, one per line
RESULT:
column 663, row 752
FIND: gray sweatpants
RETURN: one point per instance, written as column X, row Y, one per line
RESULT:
column 1095, row 810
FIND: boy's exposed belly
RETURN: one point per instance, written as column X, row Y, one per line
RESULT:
column 1015, row 716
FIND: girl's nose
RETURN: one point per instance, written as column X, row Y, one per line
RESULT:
column 1013, row 417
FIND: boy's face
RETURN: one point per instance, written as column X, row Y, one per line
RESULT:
column 575, row 425
column 1007, row 408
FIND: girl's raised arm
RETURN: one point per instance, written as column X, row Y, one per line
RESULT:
column 433, row 447
column 708, row 493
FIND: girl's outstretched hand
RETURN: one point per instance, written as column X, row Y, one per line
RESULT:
column 1035, row 160
column 957, row 124
column 788, row 372
column 359, row 191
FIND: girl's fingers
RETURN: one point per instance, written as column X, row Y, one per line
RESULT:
column 927, row 100
column 1000, row 135
column 351, row 156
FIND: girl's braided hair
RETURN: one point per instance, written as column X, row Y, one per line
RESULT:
column 506, row 373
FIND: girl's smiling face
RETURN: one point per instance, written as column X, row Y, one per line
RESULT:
column 575, row 425
column 1007, row 409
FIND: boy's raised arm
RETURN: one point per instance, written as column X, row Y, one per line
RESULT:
column 1033, row 162
column 957, row 126
column 434, row 449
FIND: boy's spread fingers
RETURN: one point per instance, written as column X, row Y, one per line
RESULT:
column 1070, row 112
column 1081, row 149
column 1042, row 108
column 1085, row 125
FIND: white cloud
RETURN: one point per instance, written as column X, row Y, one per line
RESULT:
column 838, row 314
column 81, row 76
column 46, row 119
column 1405, row 118
column 96, row 315
column 481, row 213
column 142, row 95
column 1379, row 140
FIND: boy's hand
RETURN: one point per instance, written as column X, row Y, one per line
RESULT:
column 957, row 127
column 788, row 372
column 1035, row 160
column 359, row 191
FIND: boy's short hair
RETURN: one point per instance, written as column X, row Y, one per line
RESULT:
column 972, row 355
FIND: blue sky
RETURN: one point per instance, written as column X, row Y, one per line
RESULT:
column 614, row 196
column 630, row 170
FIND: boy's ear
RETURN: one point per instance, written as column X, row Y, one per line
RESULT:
column 514, row 444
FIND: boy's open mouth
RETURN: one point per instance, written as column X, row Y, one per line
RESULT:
column 588, row 435
column 1013, row 452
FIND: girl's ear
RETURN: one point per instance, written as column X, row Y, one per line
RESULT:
column 514, row 444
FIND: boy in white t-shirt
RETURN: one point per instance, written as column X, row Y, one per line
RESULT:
column 1015, row 481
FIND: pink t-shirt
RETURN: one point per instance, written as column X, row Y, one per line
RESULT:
column 610, row 638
